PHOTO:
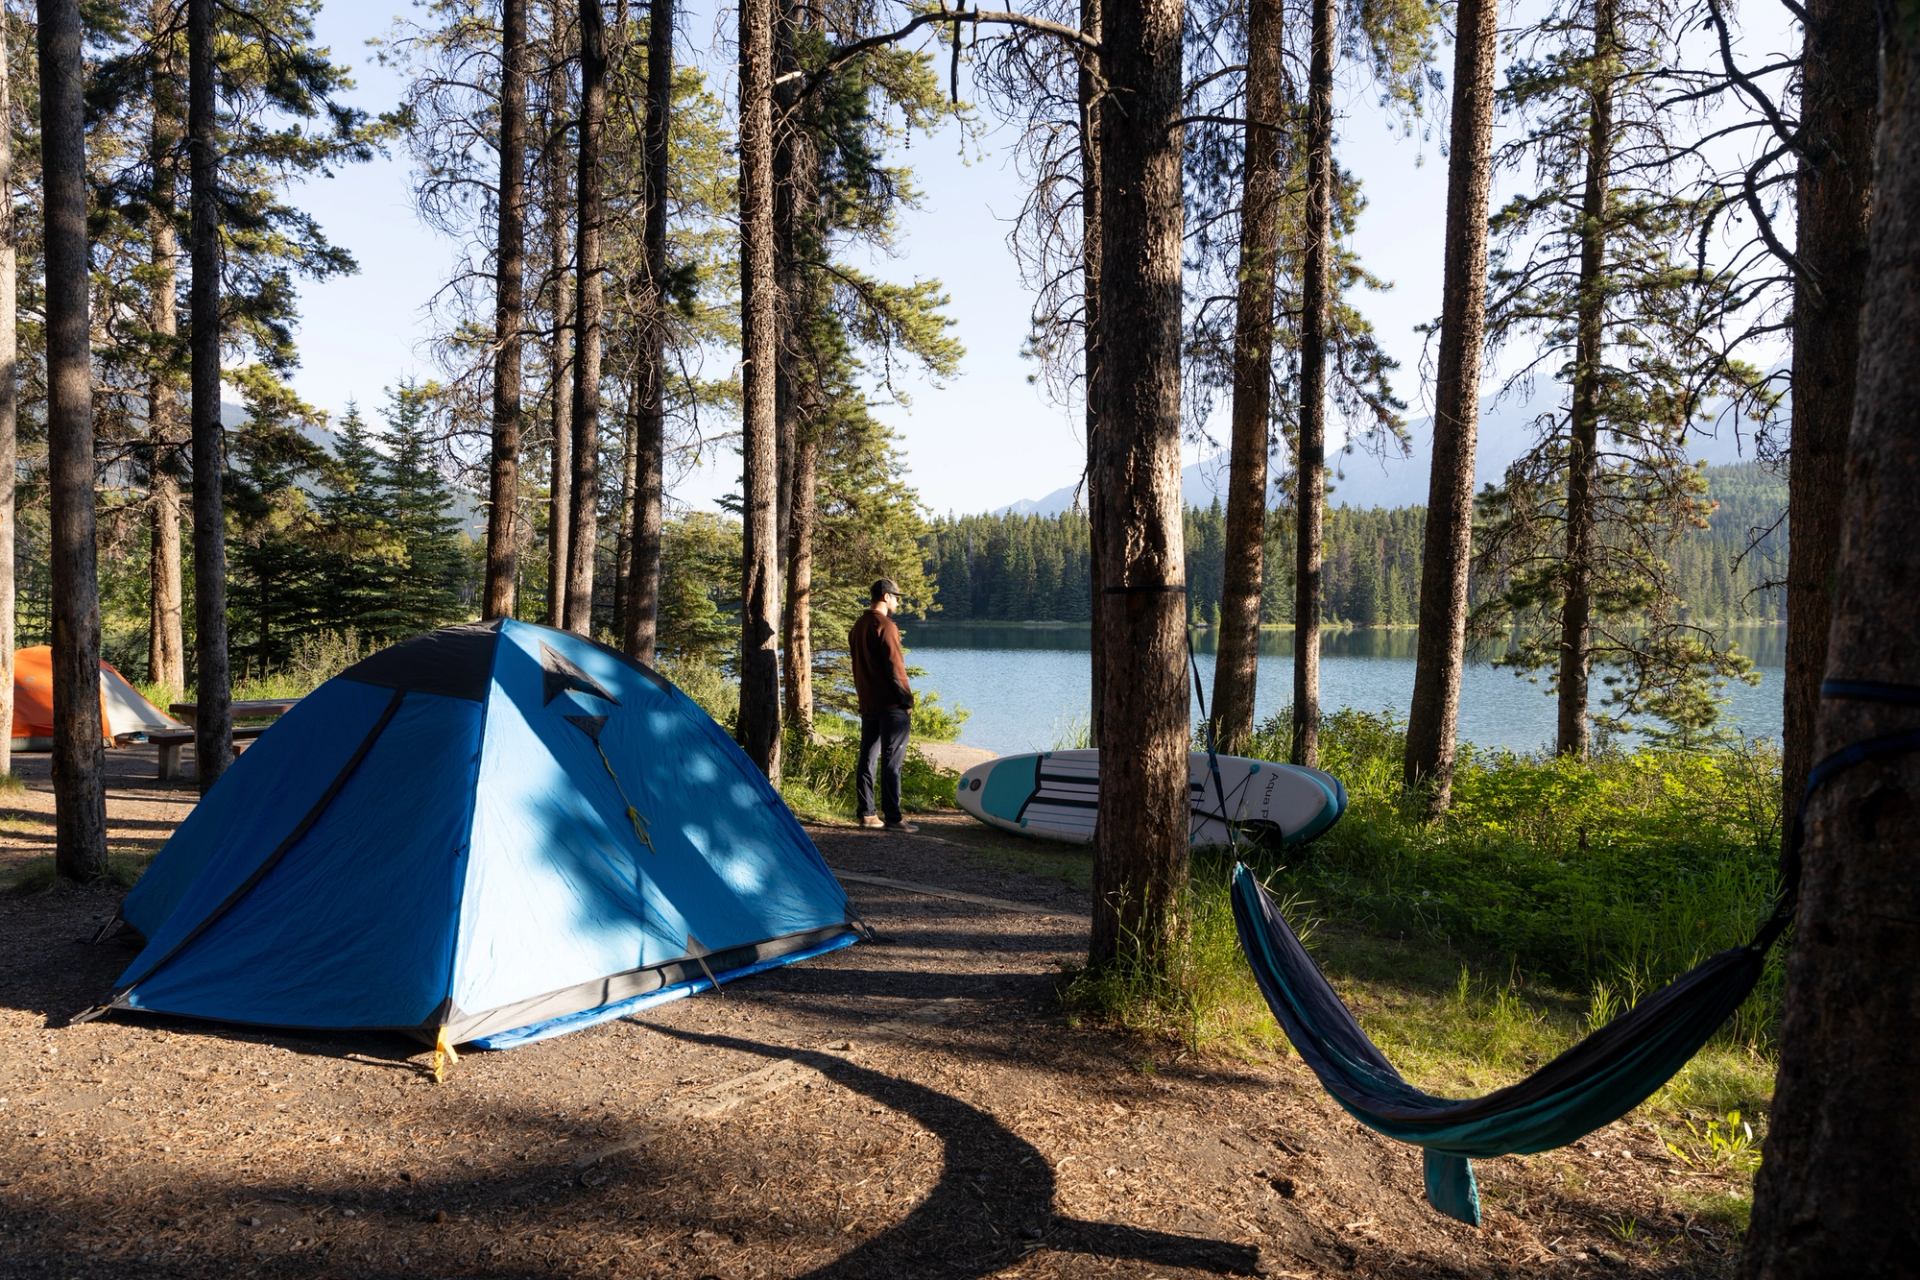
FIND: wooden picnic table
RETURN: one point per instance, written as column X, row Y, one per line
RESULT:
column 173, row 741
column 245, row 709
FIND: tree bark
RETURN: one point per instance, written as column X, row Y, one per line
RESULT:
column 1310, row 460
column 509, row 319
column 583, row 542
column 623, row 515
column 1574, row 733
column 1090, row 249
column 1140, row 844
column 1831, row 1198
column 650, row 437
column 9, row 404
column 166, row 638
column 213, row 723
column 1441, row 645
column 80, row 816
column 797, row 397
column 798, row 646
column 759, row 724
column 1236, row 669
column 559, row 357
column 1840, row 86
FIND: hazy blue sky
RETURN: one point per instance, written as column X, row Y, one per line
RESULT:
column 987, row 437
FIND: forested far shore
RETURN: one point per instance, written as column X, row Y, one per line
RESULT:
column 1029, row 568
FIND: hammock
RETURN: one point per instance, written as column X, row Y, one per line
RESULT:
column 1590, row 1085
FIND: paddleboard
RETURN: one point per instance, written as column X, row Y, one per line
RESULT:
column 1056, row 794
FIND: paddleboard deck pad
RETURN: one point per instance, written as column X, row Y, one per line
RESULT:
column 1056, row 795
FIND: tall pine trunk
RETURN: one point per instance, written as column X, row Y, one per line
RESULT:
column 759, row 724
column 1140, row 843
column 1310, row 457
column 583, row 542
column 80, row 816
column 623, row 511
column 509, row 318
column 1441, row 644
column 213, row 723
column 1574, row 731
column 797, row 655
column 1835, row 1195
column 797, row 396
column 650, row 436
column 9, row 402
column 559, row 351
column 166, row 637
column 1090, row 248
column 1840, row 85
column 1237, row 667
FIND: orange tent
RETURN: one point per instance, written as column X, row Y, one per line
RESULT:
column 123, row 712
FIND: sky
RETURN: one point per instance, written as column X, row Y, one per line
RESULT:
column 983, row 439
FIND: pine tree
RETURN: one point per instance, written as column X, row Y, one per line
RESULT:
column 1594, row 266
column 432, row 580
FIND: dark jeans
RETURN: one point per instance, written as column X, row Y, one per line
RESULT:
column 882, row 734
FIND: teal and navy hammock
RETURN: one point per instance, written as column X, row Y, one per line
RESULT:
column 1590, row 1085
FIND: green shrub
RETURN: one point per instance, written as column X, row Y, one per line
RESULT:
column 817, row 774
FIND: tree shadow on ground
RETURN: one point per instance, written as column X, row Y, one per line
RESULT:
column 994, row 1201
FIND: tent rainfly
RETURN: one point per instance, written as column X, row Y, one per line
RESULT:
column 123, row 712
column 488, row 835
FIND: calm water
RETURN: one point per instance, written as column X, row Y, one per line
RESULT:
column 1027, row 686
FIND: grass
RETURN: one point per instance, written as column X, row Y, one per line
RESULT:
column 124, row 867
column 817, row 775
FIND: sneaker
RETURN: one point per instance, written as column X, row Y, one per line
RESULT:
column 872, row 821
column 904, row 828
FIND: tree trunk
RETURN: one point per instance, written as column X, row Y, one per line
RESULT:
column 1832, row 1197
column 9, row 405
column 798, row 648
column 797, row 397
column 1236, row 669
column 1140, row 844
column 509, row 318
column 1310, row 460
column 166, row 639
column 80, row 816
column 213, row 722
column 1840, row 85
column 650, row 437
column 583, row 542
column 560, row 358
column 1441, row 643
column 759, row 725
column 1090, row 249
column 623, row 516
column 1583, row 419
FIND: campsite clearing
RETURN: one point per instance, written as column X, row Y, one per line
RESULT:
column 919, row 1106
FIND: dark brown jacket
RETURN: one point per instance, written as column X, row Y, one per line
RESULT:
column 879, row 668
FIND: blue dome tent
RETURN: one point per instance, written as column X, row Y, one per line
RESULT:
column 486, row 835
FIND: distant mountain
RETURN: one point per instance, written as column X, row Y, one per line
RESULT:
column 1360, row 479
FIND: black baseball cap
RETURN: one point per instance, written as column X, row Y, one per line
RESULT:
column 885, row 587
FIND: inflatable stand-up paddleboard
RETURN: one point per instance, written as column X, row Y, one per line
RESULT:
column 1056, row 794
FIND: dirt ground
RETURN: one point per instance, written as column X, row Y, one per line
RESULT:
column 914, row 1106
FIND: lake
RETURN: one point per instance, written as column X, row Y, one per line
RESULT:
column 1026, row 686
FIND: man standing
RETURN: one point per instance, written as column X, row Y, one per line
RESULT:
column 886, row 706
